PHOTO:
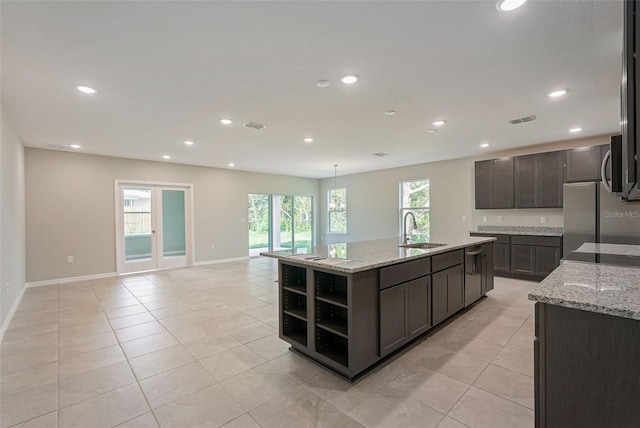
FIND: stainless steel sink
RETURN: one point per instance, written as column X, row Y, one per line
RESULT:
column 422, row 245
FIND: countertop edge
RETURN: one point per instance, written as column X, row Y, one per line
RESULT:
column 336, row 267
column 589, row 307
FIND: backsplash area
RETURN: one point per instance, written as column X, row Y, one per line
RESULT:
column 525, row 230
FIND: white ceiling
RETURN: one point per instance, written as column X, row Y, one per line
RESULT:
column 168, row 71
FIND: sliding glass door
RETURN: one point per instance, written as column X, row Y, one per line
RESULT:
column 278, row 222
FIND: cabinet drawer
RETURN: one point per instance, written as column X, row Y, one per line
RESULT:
column 443, row 261
column 500, row 238
column 403, row 272
column 541, row 241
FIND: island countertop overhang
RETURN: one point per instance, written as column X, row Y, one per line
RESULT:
column 365, row 255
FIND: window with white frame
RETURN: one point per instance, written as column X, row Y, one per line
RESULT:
column 414, row 198
column 337, row 208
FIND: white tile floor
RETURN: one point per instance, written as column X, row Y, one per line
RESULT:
column 199, row 347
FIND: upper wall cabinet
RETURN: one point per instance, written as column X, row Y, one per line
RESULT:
column 583, row 164
column 494, row 183
column 539, row 179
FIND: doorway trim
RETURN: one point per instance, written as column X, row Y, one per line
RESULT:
column 118, row 206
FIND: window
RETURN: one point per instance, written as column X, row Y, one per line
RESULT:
column 414, row 197
column 337, row 203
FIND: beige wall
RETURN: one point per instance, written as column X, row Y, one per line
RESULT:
column 70, row 208
column 12, row 221
column 373, row 198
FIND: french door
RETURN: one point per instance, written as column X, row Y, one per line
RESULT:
column 153, row 226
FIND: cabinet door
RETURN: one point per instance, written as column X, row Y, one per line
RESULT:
column 455, row 289
column 523, row 259
column 447, row 292
column 583, row 164
column 550, row 176
column 547, row 259
column 501, row 257
column 525, row 181
column 487, row 267
column 484, row 184
column 503, row 183
column 419, row 306
column 393, row 319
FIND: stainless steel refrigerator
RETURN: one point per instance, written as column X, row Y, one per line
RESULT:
column 591, row 214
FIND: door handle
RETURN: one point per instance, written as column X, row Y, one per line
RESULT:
column 603, row 171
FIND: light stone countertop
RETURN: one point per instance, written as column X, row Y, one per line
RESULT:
column 520, row 230
column 619, row 249
column 594, row 287
column 359, row 256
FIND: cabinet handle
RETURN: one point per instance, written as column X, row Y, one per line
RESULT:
column 603, row 171
column 473, row 253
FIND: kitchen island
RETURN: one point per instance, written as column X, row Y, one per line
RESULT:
column 348, row 306
column 587, row 345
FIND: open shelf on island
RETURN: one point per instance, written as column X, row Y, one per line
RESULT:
column 294, row 277
column 332, row 288
column 332, row 346
column 294, row 329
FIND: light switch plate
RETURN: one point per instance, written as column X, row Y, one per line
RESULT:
column 499, row 219
column 543, row 219
column 484, row 219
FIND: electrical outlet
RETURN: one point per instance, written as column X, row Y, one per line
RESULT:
column 543, row 219
column 499, row 219
column 69, row 259
column 7, row 287
column 213, row 247
column 484, row 219
column 464, row 218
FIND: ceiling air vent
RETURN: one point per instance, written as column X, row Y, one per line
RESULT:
column 522, row 120
column 381, row 154
column 254, row 125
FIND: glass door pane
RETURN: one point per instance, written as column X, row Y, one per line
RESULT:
column 174, row 243
column 285, row 207
column 137, row 224
column 259, row 215
column 303, row 223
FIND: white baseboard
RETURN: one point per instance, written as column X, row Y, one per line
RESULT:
column 70, row 279
column 215, row 262
column 7, row 321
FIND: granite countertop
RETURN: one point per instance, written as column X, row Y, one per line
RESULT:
column 611, row 290
column 520, row 230
column 364, row 255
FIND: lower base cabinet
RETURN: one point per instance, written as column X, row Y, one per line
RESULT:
column 405, row 313
column 448, row 292
column 586, row 368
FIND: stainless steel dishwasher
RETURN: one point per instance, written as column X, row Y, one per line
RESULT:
column 472, row 275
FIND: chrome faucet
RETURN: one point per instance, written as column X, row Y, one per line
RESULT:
column 406, row 236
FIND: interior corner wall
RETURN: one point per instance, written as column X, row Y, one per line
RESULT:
column 70, row 208
column 373, row 198
column 12, row 221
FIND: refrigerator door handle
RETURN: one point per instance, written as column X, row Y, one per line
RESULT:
column 603, row 171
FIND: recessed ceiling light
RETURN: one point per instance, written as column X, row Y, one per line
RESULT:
column 508, row 5
column 308, row 140
column 439, row 122
column 575, row 130
column 189, row 143
column 349, row 79
column 432, row 131
column 166, row 157
column 75, row 146
column 389, row 112
column 86, row 89
column 558, row 93
column 231, row 164
column 226, row 121
column 322, row 83
column 483, row 145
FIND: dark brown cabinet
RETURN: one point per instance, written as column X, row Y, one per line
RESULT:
column 537, row 256
column 405, row 313
column 585, row 369
column 523, row 256
column 583, row 164
column 447, row 292
column 539, row 179
column 494, row 184
column 487, row 267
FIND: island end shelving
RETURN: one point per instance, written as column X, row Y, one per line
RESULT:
column 350, row 314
